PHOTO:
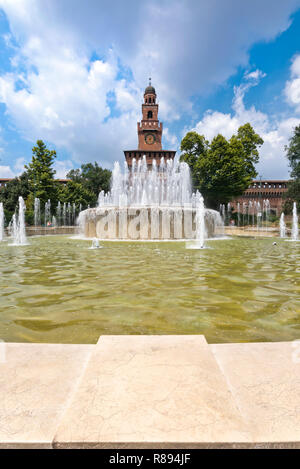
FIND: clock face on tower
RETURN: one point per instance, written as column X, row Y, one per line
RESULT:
column 149, row 139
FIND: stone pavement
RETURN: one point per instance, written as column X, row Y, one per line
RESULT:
column 150, row 392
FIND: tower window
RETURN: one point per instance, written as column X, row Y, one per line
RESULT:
column 149, row 115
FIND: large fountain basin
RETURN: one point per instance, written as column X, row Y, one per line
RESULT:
column 58, row 290
column 147, row 222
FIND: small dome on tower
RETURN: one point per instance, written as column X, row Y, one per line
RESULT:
column 150, row 89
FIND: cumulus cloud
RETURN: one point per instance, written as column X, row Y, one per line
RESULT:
column 6, row 172
column 19, row 166
column 292, row 89
column 275, row 133
column 62, row 168
column 78, row 68
column 255, row 75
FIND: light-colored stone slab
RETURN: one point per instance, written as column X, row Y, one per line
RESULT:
column 265, row 381
column 36, row 381
column 159, row 391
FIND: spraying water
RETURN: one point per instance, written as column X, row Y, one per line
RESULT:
column 17, row 225
column 200, row 224
column 58, row 214
column 150, row 202
column 47, row 212
column 295, row 227
column 168, row 184
column 95, row 244
column 266, row 212
column 73, row 214
column 69, row 213
column 37, row 212
column 1, row 222
column 282, row 226
column 64, row 214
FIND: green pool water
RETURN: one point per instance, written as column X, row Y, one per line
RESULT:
column 238, row 290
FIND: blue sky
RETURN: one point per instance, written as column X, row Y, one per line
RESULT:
column 73, row 75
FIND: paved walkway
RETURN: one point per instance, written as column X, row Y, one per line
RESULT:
column 150, row 391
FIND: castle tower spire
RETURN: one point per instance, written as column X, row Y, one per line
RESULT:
column 149, row 131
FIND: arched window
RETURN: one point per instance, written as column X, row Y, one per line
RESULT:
column 149, row 115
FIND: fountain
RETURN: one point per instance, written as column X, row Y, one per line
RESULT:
column 266, row 212
column 295, row 228
column 37, row 212
column 150, row 203
column 95, row 244
column 238, row 213
column 250, row 210
column 58, row 214
column 17, row 225
column 69, row 213
column 200, row 224
column 73, row 213
column 258, row 216
column 47, row 213
column 282, row 226
column 1, row 222
column 64, row 221
column 244, row 213
column 222, row 212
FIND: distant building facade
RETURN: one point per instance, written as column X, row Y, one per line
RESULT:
column 273, row 190
column 4, row 181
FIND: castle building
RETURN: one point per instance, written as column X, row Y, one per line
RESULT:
column 273, row 190
column 149, row 132
column 5, row 181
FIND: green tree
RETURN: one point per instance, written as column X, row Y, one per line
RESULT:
column 75, row 192
column 194, row 147
column 293, row 153
column 93, row 178
column 41, row 174
column 10, row 193
column 222, row 169
column 292, row 195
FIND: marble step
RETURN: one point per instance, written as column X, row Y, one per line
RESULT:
column 36, row 384
column 152, row 391
column 264, row 379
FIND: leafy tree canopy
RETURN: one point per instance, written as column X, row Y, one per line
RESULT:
column 75, row 192
column 38, row 181
column 93, row 178
column 292, row 195
column 293, row 153
column 222, row 169
column 10, row 193
column 41, row 173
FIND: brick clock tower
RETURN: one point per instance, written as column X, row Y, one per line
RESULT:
column 149, row 132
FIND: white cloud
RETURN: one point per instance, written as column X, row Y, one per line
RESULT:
column 275, row 133
column 292, row 89
column 255, row 75
column 170, row 140
column 6, row 172
column 19, row 166
column 62, row 168
column 66, row 103
column 188, row 48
